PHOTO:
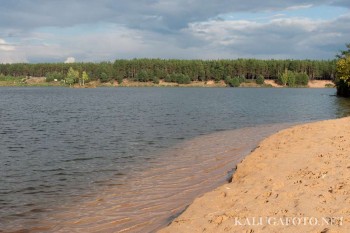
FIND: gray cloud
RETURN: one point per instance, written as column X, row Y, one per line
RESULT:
column 277, row 38
column 160, row 15
column 163, row 28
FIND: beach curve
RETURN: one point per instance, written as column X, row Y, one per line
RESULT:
column 297, row 180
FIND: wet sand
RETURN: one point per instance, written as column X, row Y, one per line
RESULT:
column 297, row 180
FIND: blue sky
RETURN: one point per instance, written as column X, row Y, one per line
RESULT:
column 87, row 30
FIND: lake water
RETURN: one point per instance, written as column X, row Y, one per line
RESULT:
column 130, row 159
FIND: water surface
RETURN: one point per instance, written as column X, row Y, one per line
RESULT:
column 61, row 146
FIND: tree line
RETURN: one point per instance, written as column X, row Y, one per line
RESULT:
column 182, row 71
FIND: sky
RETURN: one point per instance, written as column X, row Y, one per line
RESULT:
column 37, row 31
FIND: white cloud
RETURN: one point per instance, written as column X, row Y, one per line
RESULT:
column 292, row 37
column 5, row 46
column 299, row 7
column 70, row 60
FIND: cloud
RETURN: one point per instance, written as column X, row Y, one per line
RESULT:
column 5, row 46
column 158, row 15
column 276, row 38
column 51, row 31
column 298, row 7
column 70, row 60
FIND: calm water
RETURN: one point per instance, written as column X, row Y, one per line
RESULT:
column 60, row 145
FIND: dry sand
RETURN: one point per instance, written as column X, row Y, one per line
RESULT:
column 311, row 84
column 299, row 174
column 320, row 83
column 272, row 83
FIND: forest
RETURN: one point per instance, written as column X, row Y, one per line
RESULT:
column 181, row 71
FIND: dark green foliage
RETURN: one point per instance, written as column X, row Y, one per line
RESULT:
column 232, row 82
column 195, row 70
column 143, row 76
column 119, row 79
column 301, row 79
column 260, row 80
column 104, row 77
column 178, row 78
column 291, row 79
column 241, row 79
column 343, row 88
column 51, row 76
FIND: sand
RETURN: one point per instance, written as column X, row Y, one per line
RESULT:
column 320, row 83
column 272, row 83
column 297, row 180
column 311, row 84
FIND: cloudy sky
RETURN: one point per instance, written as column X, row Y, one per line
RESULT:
column 104, row 30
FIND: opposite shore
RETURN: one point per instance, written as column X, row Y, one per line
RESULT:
column 297, row 180
column 41, row 82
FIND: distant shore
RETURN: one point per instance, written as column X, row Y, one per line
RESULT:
column 40, row 82
column 297, row 180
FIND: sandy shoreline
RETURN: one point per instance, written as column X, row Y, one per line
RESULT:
column 297, row 180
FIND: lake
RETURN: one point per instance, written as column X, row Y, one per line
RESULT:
column 106, row 158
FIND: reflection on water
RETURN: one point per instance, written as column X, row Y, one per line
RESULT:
column 61, row 148
column 343, row 107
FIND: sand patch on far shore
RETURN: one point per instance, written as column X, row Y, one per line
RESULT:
column 302, row 172
column 272, row 83
column 320, row 83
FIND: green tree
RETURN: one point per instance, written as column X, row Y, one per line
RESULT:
column 85, row 77
column 72, row 76
column 343, row 76
column 283, row 78
column 291, row 79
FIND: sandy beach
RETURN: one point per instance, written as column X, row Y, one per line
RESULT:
column 297, row 180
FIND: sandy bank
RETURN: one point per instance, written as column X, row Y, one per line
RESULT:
column 297, row 180
column 320, row 83
column 311, row 84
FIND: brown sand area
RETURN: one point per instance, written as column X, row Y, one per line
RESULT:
column 300, row 174
column 311, row 84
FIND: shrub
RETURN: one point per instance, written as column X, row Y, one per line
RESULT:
column 51, row 76
column 168, row 78
column 178, row 78
column 291, row 79
column 119, row 79
column 260, row 80
column 232, row 82
column 301, row 79
column 142, row 76
column 241, row 79
column 183, row 79
column 283, row 79
column 155, row 80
